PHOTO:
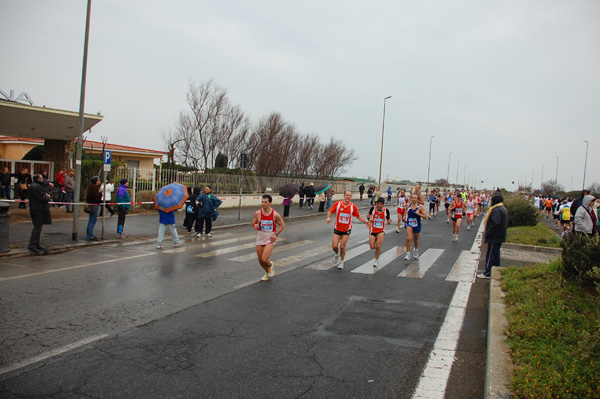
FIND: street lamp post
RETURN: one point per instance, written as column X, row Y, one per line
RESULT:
column 457, row 165
column 542, row 179
column 429, row 163
column 448, row 173
column 382, row 131
column 585, row 167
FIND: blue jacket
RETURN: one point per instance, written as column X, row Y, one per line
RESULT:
column 123, row 196
column 166, row 218
column 207, row 205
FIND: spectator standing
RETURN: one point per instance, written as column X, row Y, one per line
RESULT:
column 496, row 225
column 329, row 198
column 94, row 198
column 6, row 181
column 123, row 205
column 586, row 220
column 389, row 193
column 207, row 212
column 361, row 190
column 310, row 195
column 39, row 210
column 191, row 209
column 577, row 203
column 301, row 194
column 322, row 202
column 23, row 183
column 370, row 195
column 70, row 189
column 59, row 178
column 107, row 189
column 167, row 221
column 287, row 202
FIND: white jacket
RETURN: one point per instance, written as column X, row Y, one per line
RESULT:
column 109, row 190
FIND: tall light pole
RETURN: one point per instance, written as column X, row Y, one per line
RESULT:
column 429, row 163
column 457, row 165
column 448, row 173
column 542, row 179
column 585, row 167
column 556, row 177
column 382, row 131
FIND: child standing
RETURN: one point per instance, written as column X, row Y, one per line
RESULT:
column 167, row 220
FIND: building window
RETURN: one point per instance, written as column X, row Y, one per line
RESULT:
column 133, row 164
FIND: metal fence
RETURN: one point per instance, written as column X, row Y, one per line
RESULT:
column 153, row 179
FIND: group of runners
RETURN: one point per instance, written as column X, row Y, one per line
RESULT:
column 410, row 211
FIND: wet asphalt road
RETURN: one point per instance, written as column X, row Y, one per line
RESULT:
column 128, row 320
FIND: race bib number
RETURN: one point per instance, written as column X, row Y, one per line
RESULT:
column 266, row 225
column 412, row 222
column 345, row 218
column 458, row 212
column 378, row 223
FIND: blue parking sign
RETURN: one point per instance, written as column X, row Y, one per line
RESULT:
column 107, row 157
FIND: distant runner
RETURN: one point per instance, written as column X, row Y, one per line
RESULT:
column 457, row 209
column 401, row 204
column 415, row 212
column 265, row 221
column 345, row 210
column 377, row 217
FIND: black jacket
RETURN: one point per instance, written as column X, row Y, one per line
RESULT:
column 39, row 207
column 497, row 222
column 310, row 191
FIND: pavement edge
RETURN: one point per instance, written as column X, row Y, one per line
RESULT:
column 498, row 371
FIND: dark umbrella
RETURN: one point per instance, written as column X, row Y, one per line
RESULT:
column 289, row 190
column 171, row 197
column 321, row 188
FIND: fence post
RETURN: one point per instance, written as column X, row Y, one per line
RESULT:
column 153, row 179
column 134, row 183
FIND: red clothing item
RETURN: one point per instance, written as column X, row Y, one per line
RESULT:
column 377, row 220
column 343, row 221
column 267, row 222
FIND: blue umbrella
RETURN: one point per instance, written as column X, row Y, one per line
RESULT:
column 322, row 188
column 171, row 197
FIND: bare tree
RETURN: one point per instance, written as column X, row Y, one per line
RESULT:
column 332, row 159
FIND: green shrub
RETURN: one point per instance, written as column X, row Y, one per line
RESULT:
column 520, row 211
column 581, row 259
column 145, row 196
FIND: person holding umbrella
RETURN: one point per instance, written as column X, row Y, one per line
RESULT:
column 287, row 192
column 170, row 198
column 310, row 195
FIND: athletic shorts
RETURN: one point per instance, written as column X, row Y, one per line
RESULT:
column 401, row 211
column 447, row 205
column 376, row 234
column 470, row 214
column 264, row 238
column 456, row 219
column 416, row 229
column 431, row 206
column 565, row 221
column 342, row 233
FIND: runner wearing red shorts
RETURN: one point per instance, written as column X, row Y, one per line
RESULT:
column 377, row 217
column 401, row 204
column 269, row 225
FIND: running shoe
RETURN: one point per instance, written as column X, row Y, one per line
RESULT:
column 447, row 220
column 178, row 243
column 341, row 266
column 271, row 272
column 398, row 230
column 336, row 258
column 159, row 246
column 416, row 253
column 199, row 235
column 468, row 227
column 407, row 256
column 123, row 235
column 482, row 275
column 265, row 277
column 208, row 235
column 376, row 263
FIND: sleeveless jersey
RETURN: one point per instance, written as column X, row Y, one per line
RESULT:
column 377, row 221
column 344, row 213
column 458, row 209
column 267, row 222
column 402, row 202
column 470, row 207
column 413, row 219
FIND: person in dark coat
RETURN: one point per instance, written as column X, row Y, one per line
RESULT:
column 207, row 204
column 191, row 210
column 39, row 208
column 361, row 190
column 23, row 183
column 577, row 203
column 310, row 195
column 301, row 194
column 6, row 181
column 496, row 225
column 94, row 196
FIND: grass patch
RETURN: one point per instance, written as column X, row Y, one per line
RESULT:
column 540, row 235
column 553, row 333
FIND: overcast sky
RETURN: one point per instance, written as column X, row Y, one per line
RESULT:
column 506, row 86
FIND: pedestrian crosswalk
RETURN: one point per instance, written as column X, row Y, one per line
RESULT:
column 359, row 259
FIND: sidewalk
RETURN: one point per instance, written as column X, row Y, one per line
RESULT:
column 58, row 237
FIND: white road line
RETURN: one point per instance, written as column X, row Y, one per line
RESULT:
column 249, row 257
column 384, row 259
column 78, row 266
column 327, row 264
column 433, row 381
column 422, row 264
column 209, row 242
column 465, row 267
column 51, row 353
column 225, row 251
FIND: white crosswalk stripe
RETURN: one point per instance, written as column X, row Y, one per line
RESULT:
column 251, row 256
column 384, row 259
column 419, row 267
column 327, row 264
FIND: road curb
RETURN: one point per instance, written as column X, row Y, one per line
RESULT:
column 532, row 248
column 498, row 373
